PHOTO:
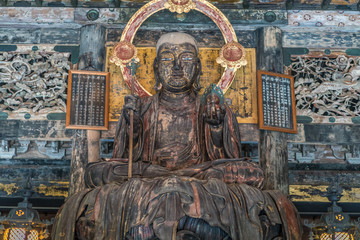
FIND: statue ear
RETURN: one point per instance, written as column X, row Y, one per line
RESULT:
column 157, row 86
column 197, row 86
column 199, row 66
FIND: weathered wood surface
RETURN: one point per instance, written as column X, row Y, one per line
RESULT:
column 42, row 26
column 34, row 130
column 237, row 16
column 292, row 37
column 79, row 160
column 93, row 145
column 317, row 193
column 38, row 15
column 60, row 35
column 14, row 171
column 275, row 4
column 324, row 5
column 319, row 19
column 318, row 208
column 323, row 174
column 206, row 38
column 19, row 35
column 92, row 48
column 248, row 132
column 123, row 15
column 92, row 57
column 313, row 38
column 327, row 134
column 240, row 4
column 308, row 182
column 272, row 145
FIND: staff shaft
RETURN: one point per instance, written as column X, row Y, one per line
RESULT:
column 130, row 163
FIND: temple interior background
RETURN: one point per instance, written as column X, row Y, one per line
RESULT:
column 316, row 41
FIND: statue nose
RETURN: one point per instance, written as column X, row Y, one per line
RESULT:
column 177, row 64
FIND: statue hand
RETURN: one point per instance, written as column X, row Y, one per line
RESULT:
column 243, row 172
column 214, row 111
column 132, row 102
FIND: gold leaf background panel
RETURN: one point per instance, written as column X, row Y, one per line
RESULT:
column 241, row 94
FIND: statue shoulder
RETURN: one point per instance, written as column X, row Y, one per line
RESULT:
column 147, row 102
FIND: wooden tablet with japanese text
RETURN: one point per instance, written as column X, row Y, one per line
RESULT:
column 87, row 100
column 276, row 98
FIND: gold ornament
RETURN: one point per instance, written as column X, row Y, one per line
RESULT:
column 180, row 6
column 123, row 53
column 232, row 55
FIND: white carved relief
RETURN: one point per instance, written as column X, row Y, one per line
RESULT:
column 33, row 82
column 326, row 86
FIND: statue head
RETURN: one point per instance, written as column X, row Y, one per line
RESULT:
column 177, row 66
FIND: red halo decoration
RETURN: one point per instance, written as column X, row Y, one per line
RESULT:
column 232, row 55
column 123, row 52
column 181, row 5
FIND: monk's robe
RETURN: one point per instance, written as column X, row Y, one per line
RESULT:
column 179, row 188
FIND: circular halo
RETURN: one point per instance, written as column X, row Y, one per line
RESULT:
column 200, row 5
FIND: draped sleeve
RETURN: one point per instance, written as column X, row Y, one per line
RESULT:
column 229, row 137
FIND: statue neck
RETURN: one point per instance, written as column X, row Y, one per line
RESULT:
column 174, row 97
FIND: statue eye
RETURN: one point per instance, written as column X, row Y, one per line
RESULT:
column 187, row 58
column 166, row 56
column 166, row 59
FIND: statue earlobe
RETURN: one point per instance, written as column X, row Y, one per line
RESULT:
column 158, row 85
column 199, row 67
column 197, row 86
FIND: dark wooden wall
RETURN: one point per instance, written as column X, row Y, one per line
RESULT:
column 308, row 174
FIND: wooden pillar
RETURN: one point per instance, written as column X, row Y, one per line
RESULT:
column 273, row 155
column 85, row 143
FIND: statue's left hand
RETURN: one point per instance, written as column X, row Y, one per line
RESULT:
column 243, row 172
column 214, row 111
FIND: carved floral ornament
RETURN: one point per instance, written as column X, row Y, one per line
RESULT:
column 123, row 52
column 33, row 81
column 232, row 55
column 180, row 6
column 326, row 85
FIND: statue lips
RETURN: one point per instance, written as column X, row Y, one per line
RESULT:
column 178, row 79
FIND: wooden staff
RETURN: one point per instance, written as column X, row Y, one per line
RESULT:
column 133, row 66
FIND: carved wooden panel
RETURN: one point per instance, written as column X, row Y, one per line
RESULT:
column 36, row 15
column 309, row 193
column 323, row 18
column 319, row 153
column 241, row 95
column 33, row 81
column 35, row 149
column 326, row 86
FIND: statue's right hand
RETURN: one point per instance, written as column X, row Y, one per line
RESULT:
column 132, row 102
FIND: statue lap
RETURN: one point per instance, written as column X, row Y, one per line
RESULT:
column 161, row 208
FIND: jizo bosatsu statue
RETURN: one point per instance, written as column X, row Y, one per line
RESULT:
column 189, row 180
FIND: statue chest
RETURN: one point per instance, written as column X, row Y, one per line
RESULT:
column 175, row 144
column 175, row 127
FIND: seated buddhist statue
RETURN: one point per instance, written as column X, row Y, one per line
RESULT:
column 189, row 180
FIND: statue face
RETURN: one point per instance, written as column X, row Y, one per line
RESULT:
column 178, row 66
